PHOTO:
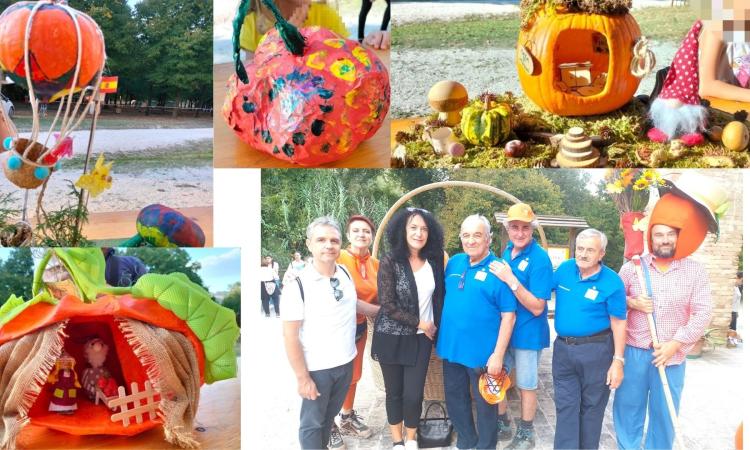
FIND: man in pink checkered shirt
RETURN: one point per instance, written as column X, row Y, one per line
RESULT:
column 681, row 305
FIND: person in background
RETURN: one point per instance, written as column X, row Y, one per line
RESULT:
column 733, row 339
column 120, row 270
column 587, row 360
column 319, row 321
column 476, row 326
column 295, row 267
column 410, row 290
column 363, row 268
column 276, row 294
column 380, row 39
column 268, row 286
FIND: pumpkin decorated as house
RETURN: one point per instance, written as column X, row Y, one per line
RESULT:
column 574, row 62
column 308, row 96
column 165, row 334
column 486, row 122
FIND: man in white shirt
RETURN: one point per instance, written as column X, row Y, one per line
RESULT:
column 319, row 325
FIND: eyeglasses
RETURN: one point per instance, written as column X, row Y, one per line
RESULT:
column 338, row 294
column 412, row 209
column 462, row 279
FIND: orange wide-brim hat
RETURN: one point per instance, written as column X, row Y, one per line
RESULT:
column 683, row 214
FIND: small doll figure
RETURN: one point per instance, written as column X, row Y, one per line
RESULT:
column 64, row 385
column 677, row 113
column 95, row 351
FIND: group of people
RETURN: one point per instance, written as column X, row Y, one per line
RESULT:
column 485, row 314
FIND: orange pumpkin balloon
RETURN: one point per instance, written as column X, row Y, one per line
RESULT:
column 53, row 48
column 556, row 37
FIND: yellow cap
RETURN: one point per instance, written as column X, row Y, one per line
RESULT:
column 522, row 212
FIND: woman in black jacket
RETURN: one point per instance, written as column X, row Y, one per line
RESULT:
column 410, row 290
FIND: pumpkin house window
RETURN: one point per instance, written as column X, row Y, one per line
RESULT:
column 582, row 68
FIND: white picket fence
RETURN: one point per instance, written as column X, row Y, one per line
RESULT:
column 136, row 397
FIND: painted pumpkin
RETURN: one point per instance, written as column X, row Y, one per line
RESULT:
column 310, row 109
column 53, row 47
column 162, row 226
column 486, row 122
column 556, row 37
column 165, row 330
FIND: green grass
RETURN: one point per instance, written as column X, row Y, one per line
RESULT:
column 658, row 24
column 22, row 119
column 195, row 153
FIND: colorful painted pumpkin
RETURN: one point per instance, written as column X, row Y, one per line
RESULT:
column 162, row 226
column 556, row 37
column 171, row 305
column 486, row 122
column 53, row 47
column 309, row 109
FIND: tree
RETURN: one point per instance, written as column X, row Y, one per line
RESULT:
column 16, row 274
column 165, row 261
column 233, row 300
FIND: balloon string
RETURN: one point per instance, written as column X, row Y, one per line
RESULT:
column 293, row 39
column 27, row 66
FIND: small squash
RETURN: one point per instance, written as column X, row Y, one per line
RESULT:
column 486, row 122
column 735, row 136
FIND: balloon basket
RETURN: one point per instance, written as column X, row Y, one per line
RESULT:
column 24, row 171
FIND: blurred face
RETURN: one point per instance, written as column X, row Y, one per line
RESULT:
column 520, row 233
column 664, row 241
column 359, row 234
column 297, row 256
column 268, row 260
column 324, row 244
column 589, row 253
column 416, row 233
column 474, row 239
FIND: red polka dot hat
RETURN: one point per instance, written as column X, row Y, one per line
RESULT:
column 682, row 80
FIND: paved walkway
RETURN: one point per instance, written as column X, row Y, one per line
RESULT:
column 712, row 401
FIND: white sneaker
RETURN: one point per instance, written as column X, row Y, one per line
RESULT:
column 398, row 447
column 411, row 445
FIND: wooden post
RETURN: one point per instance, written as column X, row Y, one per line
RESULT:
column 97, row 107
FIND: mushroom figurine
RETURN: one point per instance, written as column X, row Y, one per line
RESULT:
column 448, row 98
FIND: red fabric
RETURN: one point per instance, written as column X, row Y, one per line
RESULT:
column 681, row 82
column 692, row 139
column 682, row 304
column 633, row 238
column 656, row 135
column 356, row 374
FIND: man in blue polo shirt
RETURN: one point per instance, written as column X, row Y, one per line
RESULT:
column 527, row 270
column 587, row 360
column 477, row 321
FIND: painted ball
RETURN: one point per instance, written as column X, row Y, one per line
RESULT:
column 162, row 226
column 8, row 143
column 41, row 173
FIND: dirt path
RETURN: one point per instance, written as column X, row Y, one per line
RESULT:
column 133, row 140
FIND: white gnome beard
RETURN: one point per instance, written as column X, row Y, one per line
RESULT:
column 676, row 122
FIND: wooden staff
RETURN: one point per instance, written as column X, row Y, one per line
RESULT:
column 655, row 339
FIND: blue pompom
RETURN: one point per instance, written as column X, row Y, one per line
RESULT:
column 41, row 173
column 58, row 165
column 8, row 143
column 14, row 162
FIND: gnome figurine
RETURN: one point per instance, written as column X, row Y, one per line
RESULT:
column 677, row 112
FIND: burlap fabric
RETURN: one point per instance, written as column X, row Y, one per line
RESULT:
column 167, row 356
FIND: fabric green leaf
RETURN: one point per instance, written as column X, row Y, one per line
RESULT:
column 86, row 266
column 212, row 323
column 15, row 306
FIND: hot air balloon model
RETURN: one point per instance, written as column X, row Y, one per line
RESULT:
column 55, row 51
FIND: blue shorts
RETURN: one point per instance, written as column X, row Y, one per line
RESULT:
column 526, row 363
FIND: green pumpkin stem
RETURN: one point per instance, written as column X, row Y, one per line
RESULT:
column 293, row 39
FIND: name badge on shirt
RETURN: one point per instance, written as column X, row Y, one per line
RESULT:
column 591, row 294
column 523, row 265
column 481, row 276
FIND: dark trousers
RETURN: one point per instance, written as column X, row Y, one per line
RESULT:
column 458, row 379
column 364, row 10
column 733, row 323
column 264, row 298
column 316, row 416
column 579, row 373
column 404, row 386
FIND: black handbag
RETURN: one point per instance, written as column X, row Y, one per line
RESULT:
column 434, row 431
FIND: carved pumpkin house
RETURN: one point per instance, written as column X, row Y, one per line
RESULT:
column 573, row 58
column 165, row 335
